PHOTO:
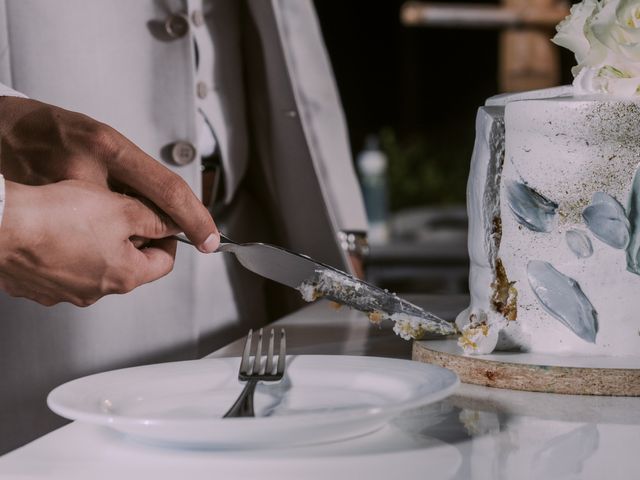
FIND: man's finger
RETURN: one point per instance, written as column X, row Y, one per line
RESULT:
column 156, row 260
column 169, row 192
column 145, row 221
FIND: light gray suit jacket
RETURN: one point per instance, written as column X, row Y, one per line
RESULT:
column 272, row 104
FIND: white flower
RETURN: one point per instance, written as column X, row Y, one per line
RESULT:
column 605, row 37
column 571, row 33
column 606, row 79
column 616, row 27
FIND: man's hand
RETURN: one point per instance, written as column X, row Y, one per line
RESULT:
column 43, row 144
column 72, row 242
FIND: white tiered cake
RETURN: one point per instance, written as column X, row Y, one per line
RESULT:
column 554, row 240
column 554, row 202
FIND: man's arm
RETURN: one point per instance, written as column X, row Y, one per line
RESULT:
column 67, row 231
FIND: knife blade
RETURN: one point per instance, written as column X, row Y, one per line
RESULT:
column 317, row 280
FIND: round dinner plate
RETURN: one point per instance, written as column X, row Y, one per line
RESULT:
column 322, row 398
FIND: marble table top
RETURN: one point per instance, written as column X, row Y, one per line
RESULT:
column 478, row 433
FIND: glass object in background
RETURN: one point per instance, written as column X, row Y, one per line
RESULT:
column 372, row 166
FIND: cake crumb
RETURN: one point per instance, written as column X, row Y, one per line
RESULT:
column 505, row 295
column 377, row 317
column 478, row 338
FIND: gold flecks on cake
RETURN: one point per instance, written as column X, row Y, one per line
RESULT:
column 610, row 131
column 466, row 341
column 479, row 337
column 496, row 231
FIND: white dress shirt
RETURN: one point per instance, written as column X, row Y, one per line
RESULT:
column 5, row 91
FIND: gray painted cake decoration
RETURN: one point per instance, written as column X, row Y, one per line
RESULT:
column 607, row 220
column 531, row 209
column 579, row 243
column 562, row 297
column 633, row 249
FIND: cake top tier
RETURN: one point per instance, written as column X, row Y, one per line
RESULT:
column 604, row 35
column 562, row 95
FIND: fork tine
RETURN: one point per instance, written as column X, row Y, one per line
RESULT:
column 282, row 353
column 269, row 368
column 257, row 361
column 246, row 353
column 254, row 373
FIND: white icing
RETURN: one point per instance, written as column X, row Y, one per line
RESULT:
column 567, row 149
column 502, row 99
column 478, row 338
column 408, row 327
column 307, row 291
column 482, row 206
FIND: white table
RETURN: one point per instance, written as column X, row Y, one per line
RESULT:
column 479, row 433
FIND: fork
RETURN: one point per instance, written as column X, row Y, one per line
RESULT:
column 255, row 372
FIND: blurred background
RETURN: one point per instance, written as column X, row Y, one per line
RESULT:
column 410, row 81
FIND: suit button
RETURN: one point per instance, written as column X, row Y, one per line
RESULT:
column 197, row 18
column 202, row 90
column 183, row 153
column 177, row 25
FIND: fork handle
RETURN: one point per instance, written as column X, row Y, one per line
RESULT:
column 243, row 406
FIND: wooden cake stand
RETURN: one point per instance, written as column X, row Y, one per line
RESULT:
column 576, row 375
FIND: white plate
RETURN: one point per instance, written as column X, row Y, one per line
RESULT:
column 322, row 398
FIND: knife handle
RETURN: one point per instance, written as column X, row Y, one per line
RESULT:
column 181, row 237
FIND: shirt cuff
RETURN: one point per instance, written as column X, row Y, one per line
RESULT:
column 1, row 198
column 6, row 92
column 10, row 92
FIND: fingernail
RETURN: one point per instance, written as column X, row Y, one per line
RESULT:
column 210, row 244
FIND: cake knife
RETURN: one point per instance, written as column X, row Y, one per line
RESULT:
column 318, row 280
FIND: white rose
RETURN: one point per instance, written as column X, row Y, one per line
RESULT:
column 606, row 79
column 571, row 33
column 616, row 26
column 605, row 37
